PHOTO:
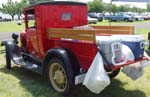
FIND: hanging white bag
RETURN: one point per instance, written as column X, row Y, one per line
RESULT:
column 127, row 52
column 96, row 78
column 134, row 71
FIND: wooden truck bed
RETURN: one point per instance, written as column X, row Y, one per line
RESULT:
column 89, row 35
column 83, row 42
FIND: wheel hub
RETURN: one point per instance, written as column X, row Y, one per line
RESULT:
column 59, row 77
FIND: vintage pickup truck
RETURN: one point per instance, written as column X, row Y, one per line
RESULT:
column 121, row 16
column 51, row 47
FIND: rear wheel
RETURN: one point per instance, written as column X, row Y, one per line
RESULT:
column 113, row 74
column 58, row 78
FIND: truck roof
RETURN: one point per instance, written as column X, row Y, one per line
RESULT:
column 59, row 3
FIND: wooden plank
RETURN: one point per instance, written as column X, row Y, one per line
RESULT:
column 114, row 27
column 117, row 29
column 113, row 32
column 72, row 31
column 71, row 34
column 76, row 37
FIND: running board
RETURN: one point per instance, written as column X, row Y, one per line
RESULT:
column 28, row 65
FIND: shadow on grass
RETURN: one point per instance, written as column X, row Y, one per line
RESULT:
column 37, row 86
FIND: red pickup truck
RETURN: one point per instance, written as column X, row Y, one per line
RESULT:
column 51, row 47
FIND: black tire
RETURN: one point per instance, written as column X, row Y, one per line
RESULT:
column 56, row 77
column 113, row 74
column 8, row 60
column 126, row 20
column 137, row 19
column 100, row 19
column 94, row 22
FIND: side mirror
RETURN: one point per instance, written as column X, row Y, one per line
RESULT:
column 19, row 22
column 15, row 37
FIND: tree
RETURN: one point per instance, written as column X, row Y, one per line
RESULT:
column 96, row 6
column 114, row 8
column 31, row 2
column 14, row 8
column 9, row 8
column 148, row 7
column 123, row 8
column 20, row 7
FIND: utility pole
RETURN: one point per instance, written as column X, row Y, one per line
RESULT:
column 110, row 9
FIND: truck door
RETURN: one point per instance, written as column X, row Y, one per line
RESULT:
column 31, row 29
column 119, row 16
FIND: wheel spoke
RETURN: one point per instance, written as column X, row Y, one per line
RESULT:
column 58, row 76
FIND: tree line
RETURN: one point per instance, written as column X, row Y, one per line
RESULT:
column 16, row 8
column 100, row 6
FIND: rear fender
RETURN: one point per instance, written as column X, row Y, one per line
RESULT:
column 63, row 55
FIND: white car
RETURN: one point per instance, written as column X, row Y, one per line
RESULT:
column 92, row 20
column 138, row 17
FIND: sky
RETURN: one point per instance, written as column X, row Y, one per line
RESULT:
column 139, row 4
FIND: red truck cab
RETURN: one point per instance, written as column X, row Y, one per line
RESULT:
column 40, row 17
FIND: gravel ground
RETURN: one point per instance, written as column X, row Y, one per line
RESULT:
column 145, row 25
column 5, row 36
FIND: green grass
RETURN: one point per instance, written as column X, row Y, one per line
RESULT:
column 143, row 32
column 11, row 27
column 19, row 82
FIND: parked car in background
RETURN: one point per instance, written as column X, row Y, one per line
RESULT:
column 1, row 19
column 101, row 15
column 120, row 16
column 138, row 17
column 92, row 20
column 95, row 15
column 6, row 20
column 146, row 16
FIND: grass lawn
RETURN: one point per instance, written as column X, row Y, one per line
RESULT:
column 10, row 27
column 19, row 82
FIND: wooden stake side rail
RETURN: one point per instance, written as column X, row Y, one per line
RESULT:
column 126, row 29
column 88, row 35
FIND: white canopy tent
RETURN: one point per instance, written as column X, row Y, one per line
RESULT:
column 131, row 0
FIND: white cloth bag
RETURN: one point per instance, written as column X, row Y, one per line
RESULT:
column 96, row 78
column 134, row 71
column 127, row 52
